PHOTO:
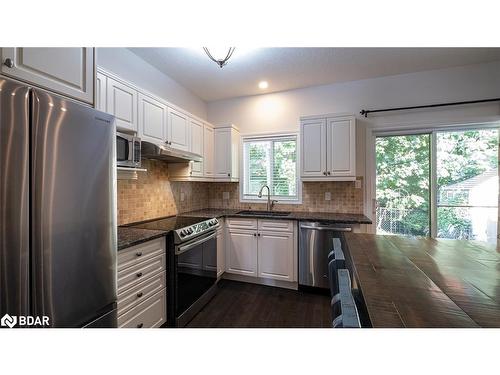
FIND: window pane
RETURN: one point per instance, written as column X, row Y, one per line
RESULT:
column 285, row 168
column 402, row 184
column 258, row 156
column 467, row 183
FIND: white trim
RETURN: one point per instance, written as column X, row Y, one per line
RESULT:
column 269, row 136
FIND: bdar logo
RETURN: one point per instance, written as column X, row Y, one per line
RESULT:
column 8, row 321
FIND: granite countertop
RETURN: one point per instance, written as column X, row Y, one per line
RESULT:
column 299, row 215
column 128, row 236
column 423, row 282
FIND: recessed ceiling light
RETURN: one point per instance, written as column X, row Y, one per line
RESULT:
column 263, row 85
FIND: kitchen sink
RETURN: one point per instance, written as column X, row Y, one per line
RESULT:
column 263, row 213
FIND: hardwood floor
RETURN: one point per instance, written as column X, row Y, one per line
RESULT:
column 243, row 305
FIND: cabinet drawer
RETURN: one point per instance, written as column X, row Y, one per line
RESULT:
column 151, row 313
column 139, row 253
column 132, row 276
column 142, row 291
column 276, row 225
column 242, row 223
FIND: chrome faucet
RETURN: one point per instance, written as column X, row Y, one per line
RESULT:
column 270, row 203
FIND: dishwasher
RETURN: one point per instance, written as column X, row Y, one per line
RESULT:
column 315, row 242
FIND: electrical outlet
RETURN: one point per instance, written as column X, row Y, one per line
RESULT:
column 328, row 196
column 225, row 195
column 183, row 196
column 357, row 184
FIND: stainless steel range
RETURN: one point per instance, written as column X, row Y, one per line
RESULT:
column 192, row 264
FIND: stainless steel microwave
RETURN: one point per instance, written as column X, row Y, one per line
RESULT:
column 128, row 150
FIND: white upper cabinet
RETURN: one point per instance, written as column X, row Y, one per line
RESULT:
column 100, row 92
column 208, row 151
column 152, row 119
column 313, row 150
column 341, row 137
column 226, row 165
column 66, row 71
column 122, row 103
column 196, row 147
column 328, row 148
column 178, row 130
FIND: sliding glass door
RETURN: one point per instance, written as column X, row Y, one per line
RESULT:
column 442, row 184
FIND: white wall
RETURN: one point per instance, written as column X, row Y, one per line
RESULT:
column 131, row 67
column 281, row 111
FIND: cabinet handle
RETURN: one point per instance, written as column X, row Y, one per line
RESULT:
column 229, row 175
column 324, row 173
column 258, row 234
column 138, row 274
column 139, row 295
column 329, row 173
column 139, row 253
column 255, row 234
column 140, row 325
column 9, row 63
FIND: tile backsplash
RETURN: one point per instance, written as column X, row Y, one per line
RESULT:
column 345, row 198
column 152, row 195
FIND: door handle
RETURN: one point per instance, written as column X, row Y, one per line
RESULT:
column 335, row 229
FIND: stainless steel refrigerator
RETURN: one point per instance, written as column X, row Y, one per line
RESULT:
column 57, row 209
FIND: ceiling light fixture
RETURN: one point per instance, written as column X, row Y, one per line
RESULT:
column 222, row 60
column 263, row 85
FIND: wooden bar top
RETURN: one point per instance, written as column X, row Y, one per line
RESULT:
column 422, row 282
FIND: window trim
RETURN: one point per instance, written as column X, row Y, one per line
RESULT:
column 262, row 137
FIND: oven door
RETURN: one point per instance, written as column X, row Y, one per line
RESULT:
column 195, row 273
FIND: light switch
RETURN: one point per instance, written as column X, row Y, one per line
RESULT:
column 328, row 196
column 183, row 196
column 225, row 195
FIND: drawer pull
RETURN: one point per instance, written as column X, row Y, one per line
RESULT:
column 138, row 274
column 139, row 295
column 140, row 325
column 139, row 253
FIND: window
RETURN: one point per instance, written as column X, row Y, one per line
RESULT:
column 270, row 161
column 449, row 193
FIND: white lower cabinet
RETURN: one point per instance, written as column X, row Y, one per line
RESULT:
column 275, row 255
column 255, row 251
column 241, row 252
column 142, row 285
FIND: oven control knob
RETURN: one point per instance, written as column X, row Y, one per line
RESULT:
column 191, row 230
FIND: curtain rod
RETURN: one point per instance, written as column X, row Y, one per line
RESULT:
column 365, row 112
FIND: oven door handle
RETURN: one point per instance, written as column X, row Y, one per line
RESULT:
column 183, row 249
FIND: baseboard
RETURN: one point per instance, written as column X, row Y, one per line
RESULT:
column 261, row 281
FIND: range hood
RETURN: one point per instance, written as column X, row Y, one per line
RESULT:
column 163, row 152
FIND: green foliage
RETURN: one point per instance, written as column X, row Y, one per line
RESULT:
column 403, row 176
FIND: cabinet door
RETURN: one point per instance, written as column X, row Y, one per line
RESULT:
column 152, row 119
column 67, row 71
column 208, row 151
column 223, row 156
column 197, row 147
column 241, row 252
column 122, row 103
column 100, row 92
column 341, row 140
column 178, row 130
column 275, row 254
column 221, row 254
column 313, row 141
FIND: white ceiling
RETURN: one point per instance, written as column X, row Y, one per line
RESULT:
column 290, row 68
